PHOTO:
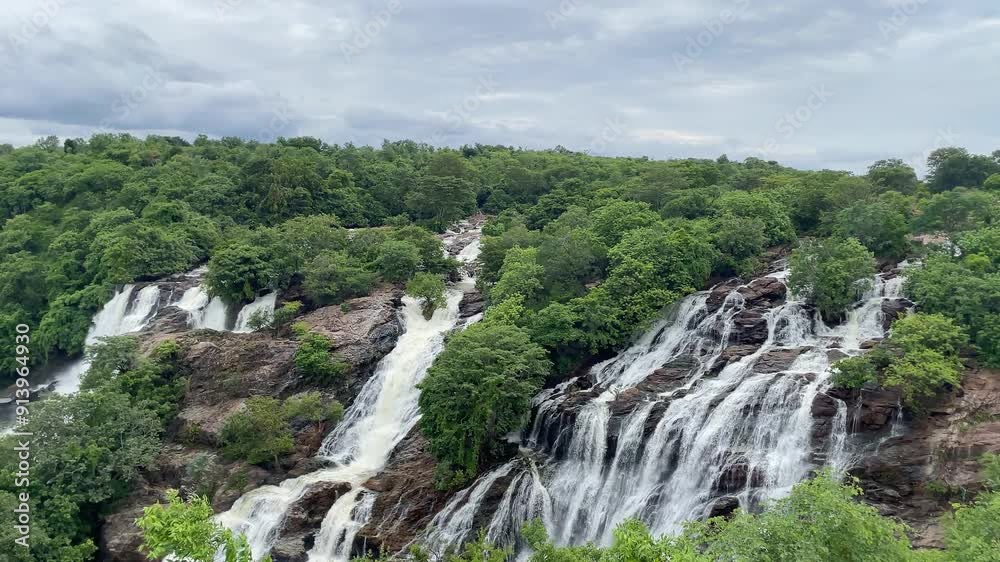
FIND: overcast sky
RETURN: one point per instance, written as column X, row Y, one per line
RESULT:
column 810, row 83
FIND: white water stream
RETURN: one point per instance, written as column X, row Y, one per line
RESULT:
column 358, row 448
column 745, row 432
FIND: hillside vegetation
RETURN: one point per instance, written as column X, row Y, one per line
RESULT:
column 581, row 254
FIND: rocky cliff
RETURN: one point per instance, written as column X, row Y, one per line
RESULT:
column 224, row 369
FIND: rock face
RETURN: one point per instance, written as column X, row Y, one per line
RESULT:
column 914, row 476
column 223, row 369
column 407, row 499
column 298, row 533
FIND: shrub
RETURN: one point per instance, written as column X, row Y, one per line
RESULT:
column 257, row 433
column 398, row 260
column 332, row 277
column 429, row 289
column 920, row 375
column 854, row 372
column 314, row 360
column 831, row 273
column 310, row 407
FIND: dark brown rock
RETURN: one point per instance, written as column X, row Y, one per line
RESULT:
column 768, row 291
column 777, row 360
column 893, row 309
column 749, row 327
column 471, row 304
column 670, row 376
column 724, row 506
column 407, row 499
column 298, row 532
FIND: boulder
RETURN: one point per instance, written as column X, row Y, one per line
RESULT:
column 298, row 531
column 764, row 291
column 749, row 327
column 777, row 360
column 893, row 309
column 472, row 303
column 724, row 506
column 669, row 376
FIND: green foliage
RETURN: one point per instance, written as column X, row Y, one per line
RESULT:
column 333, row 277
column 879, row 226
column 740, row 241
column 187, row 530
column 920, row 375
column 313, row 359
column 258, row 433
column 854, row 372
column 521, row 274
column 831, row 273
column 429, row 289
column 778, row 228
column 311, row 406
column 478, row 390
column 153, row 382
column 398, row 260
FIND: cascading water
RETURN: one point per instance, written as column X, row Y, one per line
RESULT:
column 380, row 417
column 263, row 304
column 745, row 431
column 204, row 312
column 121, row 315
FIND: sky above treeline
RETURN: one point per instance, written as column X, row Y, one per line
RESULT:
column 810, row 83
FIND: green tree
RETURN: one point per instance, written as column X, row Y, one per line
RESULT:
column 831, row 273
column 314, row 361
column 429, row 289
column 333, row 277
column 257, row 433
column 878, row 226
column 478, row 390
column 398, row 260
column 187, row 530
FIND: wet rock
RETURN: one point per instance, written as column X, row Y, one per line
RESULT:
column 362, row 330
column 724, row 506
column 893, row 309
column 406, row 500
column 303, row 520
column 871, row 344
column 670, row 376
column 472, row 303
column 767, row 291
column 626, row 402
column 717, row 295
column 835, row 355
column 877, row 409
column 749, row 327
column 777, row 360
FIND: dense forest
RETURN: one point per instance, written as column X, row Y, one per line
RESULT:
column 579, row 255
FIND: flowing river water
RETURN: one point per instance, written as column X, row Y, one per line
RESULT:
column 744, row 434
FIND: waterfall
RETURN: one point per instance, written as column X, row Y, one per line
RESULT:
column 358, row 448
column 745, row 430
column 263, row 304
column 204, row 312
column 123, row 314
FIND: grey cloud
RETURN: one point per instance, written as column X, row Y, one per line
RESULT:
column 558, row 82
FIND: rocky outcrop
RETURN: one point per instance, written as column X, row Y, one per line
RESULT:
column 407, row 499
column 223, row 369
column 303, row 520
column 893, row 309
column 936, row 460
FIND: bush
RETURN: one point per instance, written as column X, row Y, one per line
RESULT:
column 429, row 289
column 398, row 260
column 258, row 433
column 332, row 277
column 831, row 274
column 310, row 407
column 314, row 360
column 498, row 369
column 854, row 372
column 920, row 375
